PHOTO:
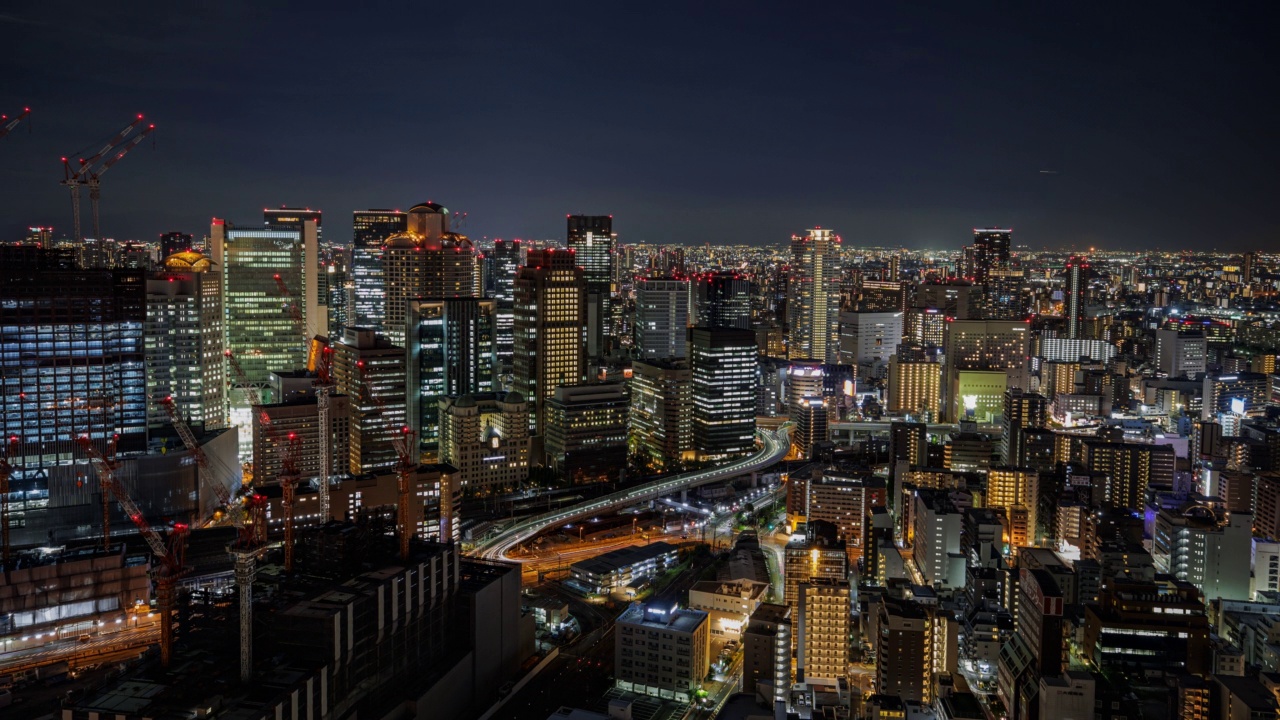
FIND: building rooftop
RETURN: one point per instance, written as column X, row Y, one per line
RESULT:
column 621, row 558
column 685, row 621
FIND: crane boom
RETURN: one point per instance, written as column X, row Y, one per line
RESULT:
column 105, row 464
column 124, row 150
column 202, row 461
column 87, row 165
column 9, row 125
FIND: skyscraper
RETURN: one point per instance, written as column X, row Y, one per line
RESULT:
column 425, row 261
column 174, row 242
column 184, row 341
column 592, row 238
column 722, row 299
column 990, row 252
column 983, row 358
column 723, row 361
column 370, row 229
column 1021, row 410
column 507, row 258
column 1077, row 273
column 662, row 318
column 812, row 311
column 450, row 352
column 550, row 307
column 661, row 418
column 260, row 329
column 371, row 372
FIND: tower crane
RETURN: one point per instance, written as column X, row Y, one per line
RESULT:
column 406, row 463
column 106, row 465
column 288, row 478
column 89, row 172
column 251, row 538
column 7, row 125
column 170, row 557
column 202, row 462
column 10, row 450
column 323, row 385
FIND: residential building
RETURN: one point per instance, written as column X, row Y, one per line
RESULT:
column 663, row 652
column 823, row 629
column 728, row 604
column 846, row 503
column 1021, row 410
column 812, row 315
column 1209, row 551
column 766, row 652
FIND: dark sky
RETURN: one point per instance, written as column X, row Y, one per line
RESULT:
column 690, row 123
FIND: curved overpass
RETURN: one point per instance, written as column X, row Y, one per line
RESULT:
column 774, row 445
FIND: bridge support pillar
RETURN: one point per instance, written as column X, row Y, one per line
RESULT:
column 684, row 495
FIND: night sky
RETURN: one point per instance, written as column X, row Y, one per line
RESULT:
column 721, row 123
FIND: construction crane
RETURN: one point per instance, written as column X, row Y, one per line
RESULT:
column 251, row 538
column 170, row 557
column 406, row 463
column 323, row 385
column 89, row 172
column 10, row 450
column 202, row 462
column 106, row 465
column 7, row 125
column 288, row 478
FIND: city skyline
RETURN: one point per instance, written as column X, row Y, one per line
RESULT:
column 1121, row 131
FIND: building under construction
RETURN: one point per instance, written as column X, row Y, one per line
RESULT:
column 354, row 631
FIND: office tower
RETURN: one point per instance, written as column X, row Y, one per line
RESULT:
column 662, row 318
column 812, row 310
column 1021, row 410
column 722, row 299
column 1207, row 550
column 551, row 310
column 183, row 339
column 1078, row 274
column 1180, row 353
column 867, row 339
column 983, row 358
column 301, row 417
column 1014, row 490
column 810, row 417
column 507, row 258
column 915, row 384
column 586, row 432
column 846, row 503
column 723, row 364
column 1248, row 266
column 990, row 253
column 370, row 229
column 952, row 298
column 661, row 414
column 260, row 328
column 1150, row 627
column 72, row 357
column 292, row 219
column 908, row 446
column 371, row 372
column 923, row 326
column 823, row 629
column 451, row 351
column 1242, row 393
column 877, row 296
column 664, row 652
column 766, row 651
column 591, row 238
column 486, row 437
column 424, row 261
column 39, row 236
column 937, row 529
column 174, row 242
column 1127, row 469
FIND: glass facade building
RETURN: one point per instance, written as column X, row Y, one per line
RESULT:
column 371, row 228
column 451, row 351
column 723, row 363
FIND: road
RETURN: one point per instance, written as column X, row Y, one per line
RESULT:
column 83, row 653
column 773, row 447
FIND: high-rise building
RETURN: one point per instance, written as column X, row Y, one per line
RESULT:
column 908, row 445
column 1128, row 469
column 953, row 298
column 983, row 358
column 766, row 651
column 723, row 364
column 812, row 310
column 184, row 336
column 451, row 351
column 664, row 652
column 72, row 357
column 1037, row 647
column 293, row 219
column 936, row 548
column 661, row 414
column 1180, row 353
column 1021, row 410
column 1078, row 273
column 1248, row 266
column 371, row 371
column 990, row 252
column 507, row 259
column 915, row 384
column 1014, row 490
column 722, row 299
column 868, row 339
column 1211, row 552
column 260, row 329
column 486, row 437
column 1150, row 627
column 823, row 629
column 591, row 237
column 846, row 503
column 586, row 432
column 662, row 318
column 370, row 229
column 175, row 242
column 301, row 417
column 425, row 261
column 818, row 554
column 551, row 309
column 915, row 644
